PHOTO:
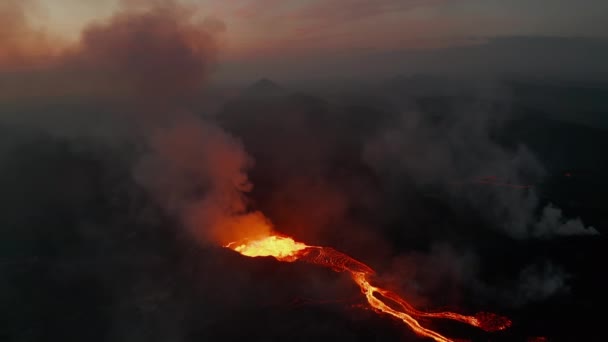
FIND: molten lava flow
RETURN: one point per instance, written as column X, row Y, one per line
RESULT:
column 280, row 247
column 287, row 249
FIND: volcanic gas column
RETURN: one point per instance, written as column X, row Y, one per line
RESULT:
column 288, row 250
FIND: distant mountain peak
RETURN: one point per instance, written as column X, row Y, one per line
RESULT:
column 265, row 82
column 265, row 86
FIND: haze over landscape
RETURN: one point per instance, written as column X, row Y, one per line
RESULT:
column 447, row 154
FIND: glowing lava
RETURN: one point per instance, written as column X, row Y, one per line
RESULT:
column 287, row 249
column 280, row 247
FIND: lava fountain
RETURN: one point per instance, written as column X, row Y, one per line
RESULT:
column 286, row 249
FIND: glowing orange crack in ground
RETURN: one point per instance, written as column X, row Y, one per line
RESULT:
column 288, row 250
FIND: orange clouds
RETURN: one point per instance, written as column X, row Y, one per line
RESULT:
column 258, row 28
column 301, row 29
column 20, row 43
column 159, row 53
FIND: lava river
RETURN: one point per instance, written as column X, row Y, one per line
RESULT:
column 288, row 250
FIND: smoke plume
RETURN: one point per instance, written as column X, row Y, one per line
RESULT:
column 198, row 172
column 162, row 54
column 553, row 223
column 159, row 58
column 459, row 154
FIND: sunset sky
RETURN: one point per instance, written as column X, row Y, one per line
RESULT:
column 265, row 35
column 265, row 26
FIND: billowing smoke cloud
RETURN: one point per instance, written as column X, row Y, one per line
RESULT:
column 198, row 172
column 162, row 54
column 459, row 154
column 553, row 223
column 155, row 59
column 175, row 169
column 195, row 170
